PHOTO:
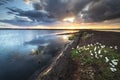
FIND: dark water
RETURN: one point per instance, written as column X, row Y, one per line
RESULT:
column 17, row 61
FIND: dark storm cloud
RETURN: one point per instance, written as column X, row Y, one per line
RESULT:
column 79, row 5
column 56, row 8
column 101, row 10
column 63, row 8
column 37, row 6
column 35, row 15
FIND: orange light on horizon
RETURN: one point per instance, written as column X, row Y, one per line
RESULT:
column 70, row 26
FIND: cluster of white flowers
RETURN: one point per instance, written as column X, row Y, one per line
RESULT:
column 97, row 51
column 113, row 64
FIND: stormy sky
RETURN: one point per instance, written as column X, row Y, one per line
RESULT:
column 83, row 10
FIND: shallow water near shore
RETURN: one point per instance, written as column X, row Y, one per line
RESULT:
column 17, row 61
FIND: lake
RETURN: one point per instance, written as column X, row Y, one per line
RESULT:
column 18, row 48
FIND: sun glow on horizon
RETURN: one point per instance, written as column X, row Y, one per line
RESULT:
column 67, row 26
column 69, row 19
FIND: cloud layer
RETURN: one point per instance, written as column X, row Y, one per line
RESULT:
column 34, row 15
column 101, row 10
column 63, row 8
column 98, row 10
column 85, row 10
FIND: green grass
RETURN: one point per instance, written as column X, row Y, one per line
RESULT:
column 72, row 37
column 86, row 35
column 105, row 60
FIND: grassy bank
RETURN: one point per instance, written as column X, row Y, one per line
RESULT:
column 96, row 56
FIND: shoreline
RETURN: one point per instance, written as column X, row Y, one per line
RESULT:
column 58, row 70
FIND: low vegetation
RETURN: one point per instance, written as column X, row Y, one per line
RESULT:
column 86, row 35
column 72, row 37
column 103, row 60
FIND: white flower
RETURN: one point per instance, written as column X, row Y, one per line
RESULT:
column 99, row 52
column 111, row 65
column 90, row 51
column 72, row 48
column 115, row 61
column 88, row 45
column 101, row 56
column 97, row 43
column 91, row 54
column 100, row 44
column 113, row 69
column 111, row 47
column 91, row 44
column 115, row 47
column 103, row 46
column 96, row 56
column 95, row 48
column 77, row 46
column 106, row 59
column 98, row 47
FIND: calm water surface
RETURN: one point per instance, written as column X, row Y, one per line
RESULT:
column 18, row 60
